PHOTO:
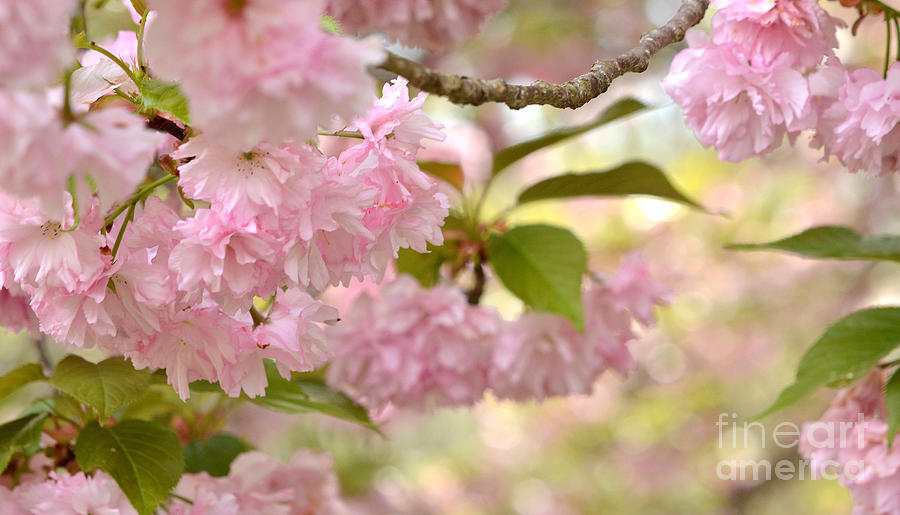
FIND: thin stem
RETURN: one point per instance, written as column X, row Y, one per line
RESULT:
column 68, row 116
column 181, row 498
column 141, row 193
column 72, row 188
column 140, row 42
column 43, row 357
column 258, row 318
column 896, row 20
column 887, row 50
column 342, row 134
column 128, row 218
column 97, row 48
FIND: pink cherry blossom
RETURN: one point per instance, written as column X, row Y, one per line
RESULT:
column 242, row 184
column 260, row 69
column 542, row 355
column 258, row 483
column 78, row 494
column 32, row 158
column 196, row 343
column 851, row 439
column 233, row 262
column 413, row 348
column 610, row 307
column 16, row 314
column 293, row 332
column 34, row 36
column 860, row 125
column 114, row 148
column 743, row 109
column 39, row 252
column 769, row 29
column 430, row 24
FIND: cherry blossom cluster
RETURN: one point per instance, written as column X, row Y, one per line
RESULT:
column 93, row 253
column 256, row 483
column 411, row 347
column 851, row 439
column 430, row 24
column 768, row 70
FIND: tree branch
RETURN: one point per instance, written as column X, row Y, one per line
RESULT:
column 572, row 94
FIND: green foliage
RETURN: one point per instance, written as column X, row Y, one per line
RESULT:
column 145, row 459
column 106, row 386
column 847, row 351
column 833, row 242
column 542, row 265
column 23, row 433
column 424, row 267
column 164, row 96
column 633, row 178
column 510, row 155
column 20, row 377
column 308, row 392
column 892, row 399
column 330, row 25
column 452, row 173
column 213, row 455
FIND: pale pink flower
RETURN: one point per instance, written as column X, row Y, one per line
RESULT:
column 860, row 127
column 77, row 318
column 258, row 483
column 16, row 314
column 851, row 440
column 635, row 290
column 38, row 252
column 233, row 262
column 259, row 69
column 825, row 85
column 242, row 184
column 542, row 355
column 768, row 29
column 100, row 76
column 114, row 148
column 610, row 307
column 413, row 348
column 34, row 36
column 78, row 494
column 743, row 109
column 195, row 343
column 292, row 333
column 431, row 24
column 32, row 158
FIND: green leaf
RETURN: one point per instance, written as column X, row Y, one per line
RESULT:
column 21, row 433
column 106, row 386
column 892, row 398
column 833, row 242
column 164, row 96
column 213, row 455
column 424, row 267
column 847, row 351
column 330, row 25
column 20, row 377
column 633, row 178
column 510, row 155
column 542, row 265
column 144, row 458
column 451, row 173
column 307, row 393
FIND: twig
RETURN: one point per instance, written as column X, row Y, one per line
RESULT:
column 572, row 94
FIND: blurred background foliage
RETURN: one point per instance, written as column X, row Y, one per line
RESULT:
column 646, row 443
